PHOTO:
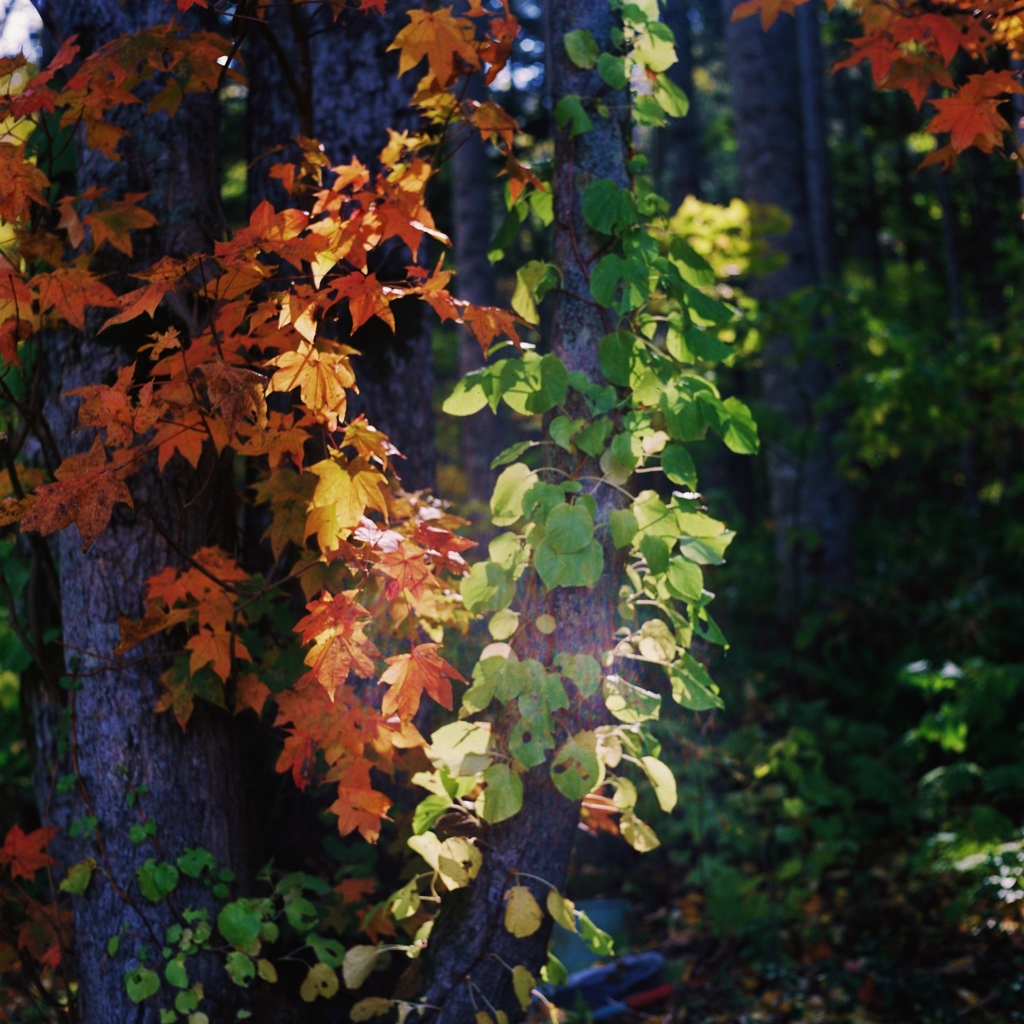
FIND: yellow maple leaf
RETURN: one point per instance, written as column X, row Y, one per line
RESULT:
column 439, row 37
column 343, row 495
column 321, row 378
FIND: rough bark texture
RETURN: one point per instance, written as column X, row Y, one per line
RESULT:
column 773, row 90
column 469, row 937
column 335, row 81
column 471, row 204
column 678, row 145
column 193, row 782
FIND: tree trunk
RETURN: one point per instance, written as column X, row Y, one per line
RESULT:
column 678, row 149
column 774, row 102
column 111, row 737
column 464, row 963
column 812, row 112
column 471, row 203
column 335, row 81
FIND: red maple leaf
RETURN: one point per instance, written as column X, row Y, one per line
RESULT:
column 40, row 933
column 406, row 570
column 85, row 493
column 26, row 854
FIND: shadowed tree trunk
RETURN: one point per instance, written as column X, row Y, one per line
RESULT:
column 190, row 783
column 471, row 203
column 336, row 82
column 678, row 147
column 776, row 87
column 464, row 962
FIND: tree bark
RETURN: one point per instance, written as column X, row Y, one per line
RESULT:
column 465, row 962
column 110, row 735
column 471, row 202
column 774, row 101
column 334, row 80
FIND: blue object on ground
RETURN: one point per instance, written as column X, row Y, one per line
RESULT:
column 604, row 987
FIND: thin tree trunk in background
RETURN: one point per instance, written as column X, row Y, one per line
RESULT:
column 957, row 315
column 469, row 940
column 335, row 81
column 810, row 503
column 1017, row 101
column 678, row 169
column 471, row 204
column 816, row 161
column 189, row 783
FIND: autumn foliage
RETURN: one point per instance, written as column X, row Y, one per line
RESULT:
column 272, row 307
column 951, row 55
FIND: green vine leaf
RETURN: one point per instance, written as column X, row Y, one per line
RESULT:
column 576, row 769
column 503, row 796
column 509, row 490
column 570, row 113
column 613, row 70
column 141, row 983
column 157, row 880
column 670, row 97
column 241, row 970
column 582, row 49
column 583, row 670
column 629, row 703
column 569, row 528
column 692, row 686
column 239, row 922
column 609, row 209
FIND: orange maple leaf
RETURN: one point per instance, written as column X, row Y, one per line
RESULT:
column 440, row 38
column 769, row 10
column 238, row 395
column 487, row 322
column 366, row 297
column 115, row 220
column 410, row 674
column 85, row 494
column 359, row 805
column 971, row 116
column 339, row 728
column 335, row 627
column 21, row 183
column 26, row 854
column 214, row 648
column 878, row 48
column 71, row 289
column 251, row 693
column 444, row 547
column 161, row 277
column 368, row 441
column 916, row 75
